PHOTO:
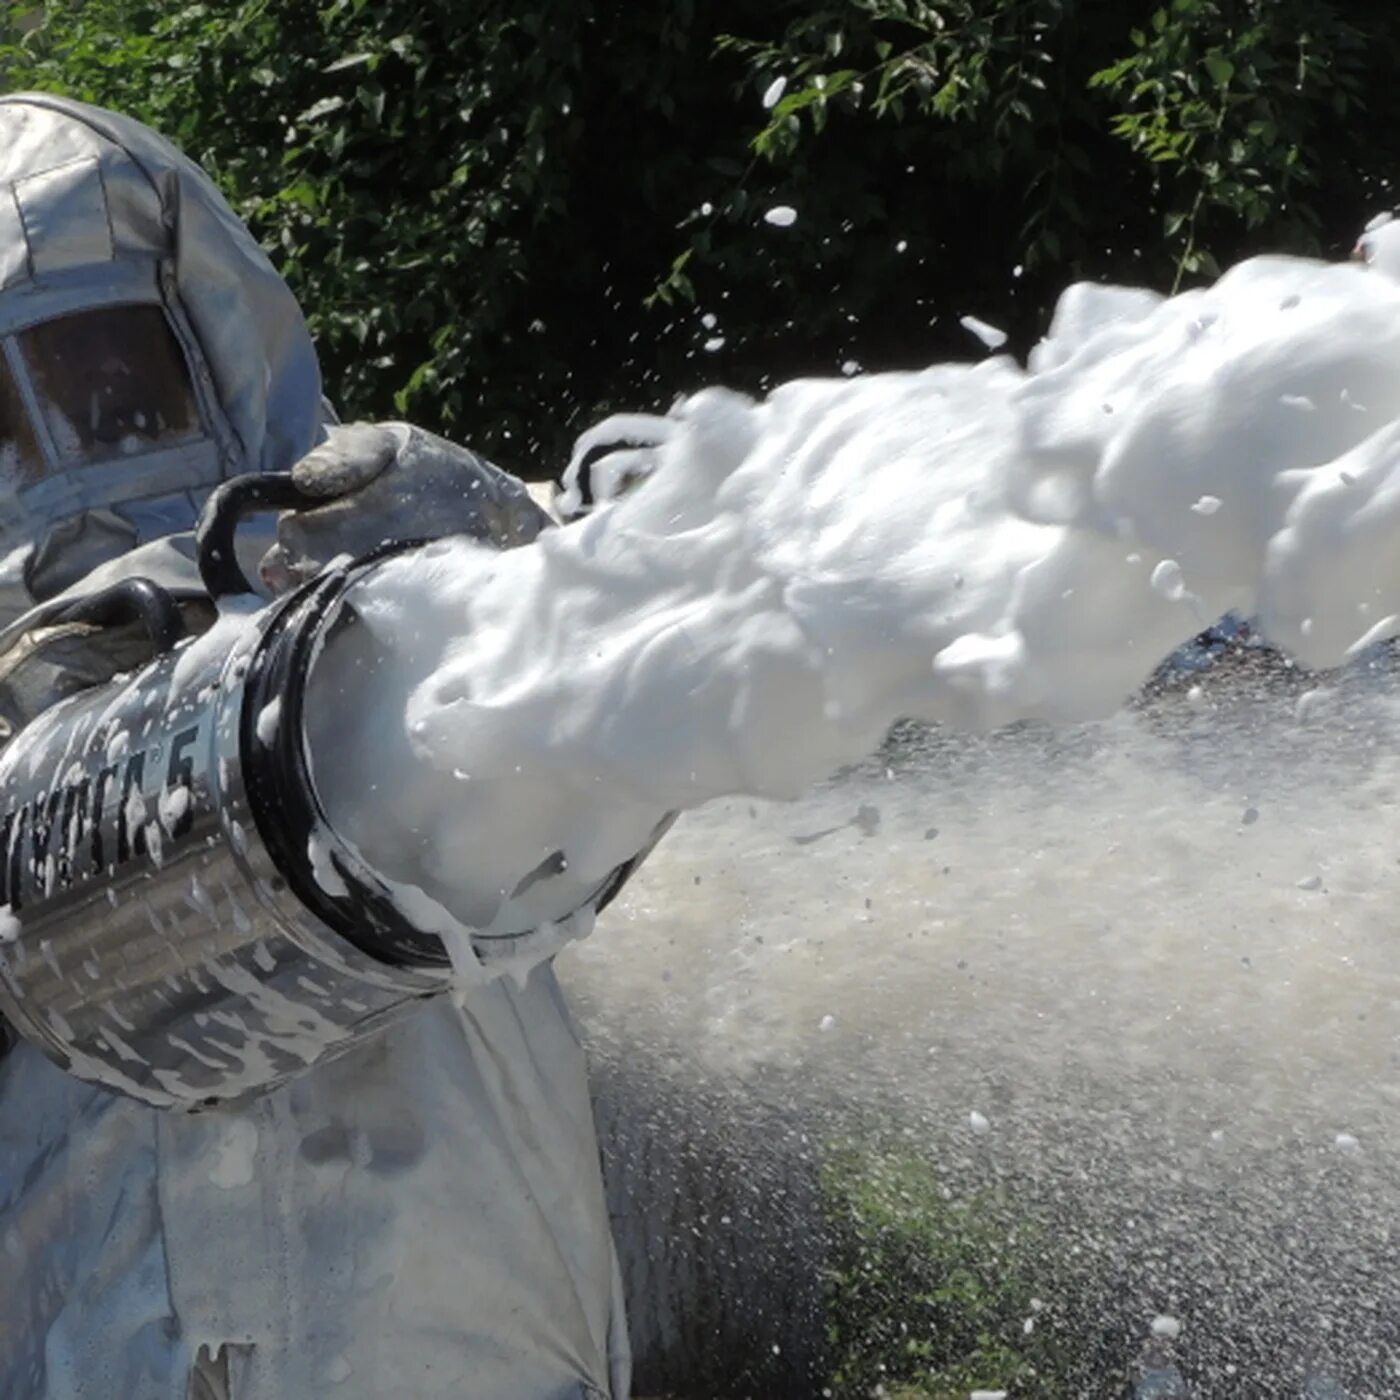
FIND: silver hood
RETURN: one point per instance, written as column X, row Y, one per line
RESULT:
column 97, row 211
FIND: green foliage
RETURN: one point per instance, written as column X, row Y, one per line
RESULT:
column 1241, row 107
column 931, row 1296
column 506, row 218
column 1101, row 133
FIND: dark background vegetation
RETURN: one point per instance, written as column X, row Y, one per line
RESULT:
column 505, row 217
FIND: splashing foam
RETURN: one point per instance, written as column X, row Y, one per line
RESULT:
column 970, row 545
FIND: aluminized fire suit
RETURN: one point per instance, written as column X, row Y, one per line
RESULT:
column 422, row 1217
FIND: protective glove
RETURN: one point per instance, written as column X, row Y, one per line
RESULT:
column 392, row 481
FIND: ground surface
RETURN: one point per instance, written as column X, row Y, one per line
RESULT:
column 1134, row 987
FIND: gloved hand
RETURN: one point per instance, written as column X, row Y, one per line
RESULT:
column 392, row 481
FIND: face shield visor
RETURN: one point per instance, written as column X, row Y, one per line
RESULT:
column 98, row 409
column 105, row 441
column 101, row 387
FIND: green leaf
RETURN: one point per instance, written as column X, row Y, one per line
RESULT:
column 372, row 99
column 320, row 109
column 350, row 60
column 1219, row 67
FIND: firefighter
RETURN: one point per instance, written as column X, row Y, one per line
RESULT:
column 423, row 1216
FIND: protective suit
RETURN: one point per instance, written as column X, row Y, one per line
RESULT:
column 422, row 1216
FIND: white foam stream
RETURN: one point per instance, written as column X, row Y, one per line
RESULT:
column 971, row 545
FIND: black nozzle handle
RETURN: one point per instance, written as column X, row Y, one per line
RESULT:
column 219, row 520
column 131, row 600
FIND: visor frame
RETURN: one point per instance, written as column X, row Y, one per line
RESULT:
column 13, row 396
